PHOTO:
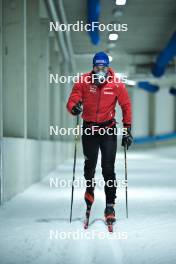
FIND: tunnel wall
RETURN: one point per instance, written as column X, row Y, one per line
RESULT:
column 29, row 104
column 28, row 161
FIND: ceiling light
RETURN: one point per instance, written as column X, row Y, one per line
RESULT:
column 117, row 12
column 111, row 45
column 113, row 36
column 120, row 2
column 130, row 82
column 110, row 58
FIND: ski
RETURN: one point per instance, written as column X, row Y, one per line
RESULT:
column 109, row 217
column 86, row 223
column 109, row 224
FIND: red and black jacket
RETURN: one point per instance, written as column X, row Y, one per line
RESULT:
column 99, row 101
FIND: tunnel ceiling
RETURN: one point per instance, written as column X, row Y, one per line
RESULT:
column 150, row 25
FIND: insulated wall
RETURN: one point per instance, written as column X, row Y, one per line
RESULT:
column 30, row 103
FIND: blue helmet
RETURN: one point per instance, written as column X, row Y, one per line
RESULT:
column 101, row 59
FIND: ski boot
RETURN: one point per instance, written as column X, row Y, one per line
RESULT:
column 89, row 199
column 109, row 214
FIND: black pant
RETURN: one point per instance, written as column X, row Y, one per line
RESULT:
column 108, row 146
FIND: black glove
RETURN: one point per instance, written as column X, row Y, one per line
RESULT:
column 127, row 139
column 76, row 110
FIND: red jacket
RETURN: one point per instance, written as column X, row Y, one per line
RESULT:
column 99, row 101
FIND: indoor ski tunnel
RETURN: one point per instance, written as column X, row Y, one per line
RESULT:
column 45, row 48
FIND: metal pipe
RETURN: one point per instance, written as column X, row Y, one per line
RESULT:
column 165, row 56
column 67, row 33
column 59, row 34
column 1, row 101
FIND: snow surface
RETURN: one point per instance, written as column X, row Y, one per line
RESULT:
column 29, row 219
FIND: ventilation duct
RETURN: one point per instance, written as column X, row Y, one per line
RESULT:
column 93, row 17
column 164, row 57
column 151, row 88
column 172, row 91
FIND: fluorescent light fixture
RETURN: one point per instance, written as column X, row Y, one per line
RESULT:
column 113, row 36
column 122, row 76
column 130, row 82
column 120, row 2
column 117, row 13
column 110, row 58
column 111, row 45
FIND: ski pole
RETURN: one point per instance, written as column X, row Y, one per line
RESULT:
column 74, row 167
column 126, row 180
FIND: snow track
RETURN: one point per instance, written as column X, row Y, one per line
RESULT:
column 27, row 221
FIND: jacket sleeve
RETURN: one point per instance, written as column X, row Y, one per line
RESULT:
column 75, row 96
column 125, row 104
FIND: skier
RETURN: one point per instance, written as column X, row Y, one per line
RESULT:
column 98, row 92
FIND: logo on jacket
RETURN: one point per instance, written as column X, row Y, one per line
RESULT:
column 93, row 89
column 108, row 90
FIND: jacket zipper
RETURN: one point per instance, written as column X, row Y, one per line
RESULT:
column 98, row 102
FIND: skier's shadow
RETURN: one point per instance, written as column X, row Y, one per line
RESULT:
column 66, row 219
column 62, row 219
column 57, row 219
column 96, row 220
